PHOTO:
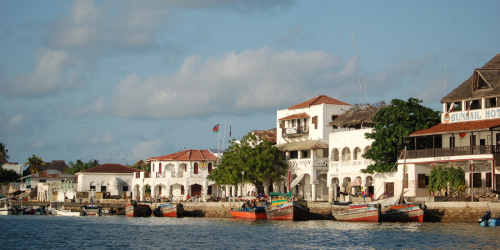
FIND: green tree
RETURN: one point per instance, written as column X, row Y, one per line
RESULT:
column 34, row 161
column 4, row 151
column 259, row 159
column 446, row 178
column 79, row 165
column 393, row 124
column 8, row 175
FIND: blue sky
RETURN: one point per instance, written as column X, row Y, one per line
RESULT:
column 120, row 81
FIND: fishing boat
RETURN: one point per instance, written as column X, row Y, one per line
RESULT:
column 5, row 208
column 487, row 221
column 406, row 212
column 169, row 210
column 65, row 212
column 90, row 210
column 357, row 213
column 286, row 207
column 137, row 210
column 250, row 209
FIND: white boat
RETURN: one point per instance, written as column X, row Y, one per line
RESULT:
column 64, row 212
column 5, row 207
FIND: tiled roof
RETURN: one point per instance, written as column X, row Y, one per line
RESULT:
column 458, row 127
column 268, row 135
column 295, row 116
column 111, row 168
column 321, row 99
column 186, row 155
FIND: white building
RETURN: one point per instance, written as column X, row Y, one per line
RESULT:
column 468, row 136
column 347, row 145
column 109, row 177
column 42, row 179
column 177, row 175
column 18, row 168
column 303, row 135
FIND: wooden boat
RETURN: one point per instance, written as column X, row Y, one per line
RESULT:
column 407, row 212
column 248, row 212
column 90, row 210
column 357, row 213
column 287, row 208
column 64, row 212
column 169, row 210
column 137, row 210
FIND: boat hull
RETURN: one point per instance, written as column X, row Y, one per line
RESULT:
column 249, row 215
column 288, row 211
column 169, row 211
column 403, row 214
column 138, row 210
column 362, row 214
column 90, row 211
column 491, row 223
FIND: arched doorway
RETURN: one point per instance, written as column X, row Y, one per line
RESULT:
column 196, row 190
column 322, row 189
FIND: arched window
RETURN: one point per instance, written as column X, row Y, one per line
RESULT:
column 196, row 168
column 357, row 154
column 159, row 168
column 209, row 168
column 346, row 154
column 92, row 185
column 153, row 170
column 335, row 154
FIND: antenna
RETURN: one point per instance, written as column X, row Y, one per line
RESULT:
column 366, row 92
column 359, row 77
column 444, row 74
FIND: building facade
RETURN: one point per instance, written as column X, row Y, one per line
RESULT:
column 113, row 178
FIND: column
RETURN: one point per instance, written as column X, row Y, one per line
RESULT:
column 233, row 191
column 330, row 194
column 143, row 191
column 227, row 194
column 240, row 189
column 313, row 191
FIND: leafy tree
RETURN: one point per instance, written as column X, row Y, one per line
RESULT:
column 259, row 159
column 444, row 178
column 393, row 124
column 79, row 165
column 34, row 161
column 8, row 175
column 4, row 151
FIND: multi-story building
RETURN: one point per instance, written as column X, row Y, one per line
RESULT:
column 177, row 175
column 302, row 133
column 468, row 136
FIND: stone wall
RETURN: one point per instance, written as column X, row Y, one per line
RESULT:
column 459, row 212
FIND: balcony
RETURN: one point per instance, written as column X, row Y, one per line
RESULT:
column 177, row 175
column 453, row 151
column 160, row 175
column 295, row 131
column 350, row 166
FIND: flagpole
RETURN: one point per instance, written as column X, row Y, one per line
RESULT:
column 225, row 125
column 218, row 146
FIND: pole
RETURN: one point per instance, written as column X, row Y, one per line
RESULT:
column 404, row 175
column 472, row 181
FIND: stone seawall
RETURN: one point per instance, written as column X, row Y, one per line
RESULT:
column 459, row 212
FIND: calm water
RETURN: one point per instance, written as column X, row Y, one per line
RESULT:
column 120, row 232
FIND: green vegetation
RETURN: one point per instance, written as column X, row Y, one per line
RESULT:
column 452, row 179
column 34, row 161
column 8, row 175
column 393, row 124
column 4, row 151
column 261, row 162
column 79, row 165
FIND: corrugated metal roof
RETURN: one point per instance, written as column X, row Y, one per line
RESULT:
column 302, row 145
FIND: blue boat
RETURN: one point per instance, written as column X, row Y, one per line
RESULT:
column 487, row 221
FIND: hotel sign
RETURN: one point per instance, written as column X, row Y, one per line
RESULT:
column 474, row 115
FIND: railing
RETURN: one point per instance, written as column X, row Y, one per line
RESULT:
column 160, row 175
column 301, row 130
column 177, row 175
column 453, row 151
column 198, row 175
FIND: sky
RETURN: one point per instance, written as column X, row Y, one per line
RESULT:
column 120, row 81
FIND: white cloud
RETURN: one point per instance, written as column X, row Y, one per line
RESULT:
column 98, row 140
column 250, row 81
column 148, row 149
column 16, row 120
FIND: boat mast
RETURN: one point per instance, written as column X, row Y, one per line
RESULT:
column 401, row 199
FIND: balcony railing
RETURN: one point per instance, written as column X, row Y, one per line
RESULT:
column 177, row 174
column 295, row 131
column 453, row 151
column 160, row 175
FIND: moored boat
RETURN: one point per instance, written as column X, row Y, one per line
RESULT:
column 406, row 212
column 169, row 210
column 250, row 209
column 5, row 208
column 65, row 212
column 357, row 213
column 287, row 207
column 90, row 210
column 137, row 210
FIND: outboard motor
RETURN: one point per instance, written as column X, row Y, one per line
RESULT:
column 486, row 217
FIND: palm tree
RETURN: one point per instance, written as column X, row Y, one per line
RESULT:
column 4, row 151
column 34, row 161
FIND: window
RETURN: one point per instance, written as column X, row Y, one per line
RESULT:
column 182, row 189
column 209, row 190
column 315, row 122
column 92, row 185
column 491, row 102
column 294, row 154
column 452, row 142
column 475, row 104
column 422, row 180
column 103, row 188
column 209, row 168
column 293, row 123
column 125, row 187
column 473, row 140
column 305, row 154
column 488, row 180
column 159, row 168
column 44, row 180
column 196, row 168
column 476, row 178
column 153, row 168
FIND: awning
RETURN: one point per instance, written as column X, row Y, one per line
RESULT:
column 302, row 145
column 296, row 181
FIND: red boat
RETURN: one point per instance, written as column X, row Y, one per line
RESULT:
column 362, row 212
column 169, row 210
column 137, row 210
column 247, row 211
column 408, row 212
column 284, row 206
